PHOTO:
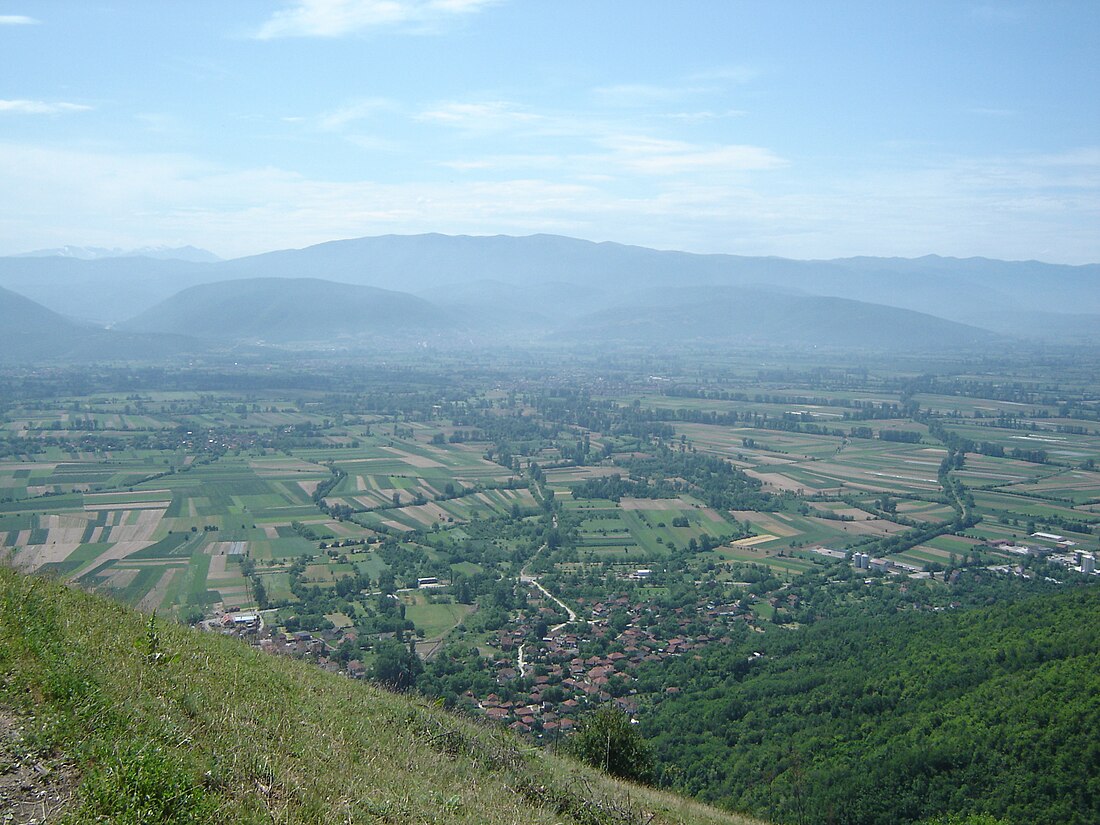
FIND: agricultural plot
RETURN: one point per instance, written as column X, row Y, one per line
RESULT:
column 165, row 528
column 435, row 616
column 153, row 528
column 639, row 529
column 477, row 505
column 1074, row 486
column 785, row 565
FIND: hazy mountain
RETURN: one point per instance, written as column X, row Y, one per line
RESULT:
column 92, row 253
column 948, row 287
column 505, row 278
column 286, row 310
column 518, row 310
column 1052, row 327
column 34, row 333
column 30, row 327
column 103, row 290
column 931, row 284
column 724, row 315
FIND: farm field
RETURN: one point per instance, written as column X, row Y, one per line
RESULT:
column 315, row 507
column 531, row 550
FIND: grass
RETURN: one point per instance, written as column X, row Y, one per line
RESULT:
column 164, row 724
column 436, row 619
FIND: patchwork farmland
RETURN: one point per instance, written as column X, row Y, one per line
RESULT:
column 494, row 525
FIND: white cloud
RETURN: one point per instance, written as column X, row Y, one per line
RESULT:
column 334, row 18
column 339, row 118
column 674, row 157
column 727, row 74
column 641, row 94
column 501, row 162
column 704, row 116
column 40, row 107
column 16, row 20
column 1021, row 207
column 492, row 116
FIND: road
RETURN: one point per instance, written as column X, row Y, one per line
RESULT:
column 568, row 610
column 527, row 578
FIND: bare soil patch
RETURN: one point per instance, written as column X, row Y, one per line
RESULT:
column 651, row 504
column 412, row 459
column 309, row 487
column 34, row 788
column 777, row 480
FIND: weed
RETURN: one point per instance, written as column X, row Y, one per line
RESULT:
column 143, row 784
column 151, row 644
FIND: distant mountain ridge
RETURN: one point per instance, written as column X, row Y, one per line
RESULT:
column 541, row 282
column 92, row 253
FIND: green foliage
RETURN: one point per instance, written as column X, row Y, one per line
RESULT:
column 143, row 784
column 608, row 740
column 395, row 666
column 150, row 645
column 895, row 719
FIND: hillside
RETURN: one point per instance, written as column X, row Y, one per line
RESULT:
column 290, row 310
column 132, row 719
column 33, row 328
column 35, row 333
column 887, row 719
column 744, row 316
column 317, row 312
column 103, row 290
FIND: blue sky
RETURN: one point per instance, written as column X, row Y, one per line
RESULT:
column 801, row 129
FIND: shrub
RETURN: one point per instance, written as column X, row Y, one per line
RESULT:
column 608, row 740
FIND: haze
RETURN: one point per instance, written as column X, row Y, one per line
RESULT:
column 797, row 129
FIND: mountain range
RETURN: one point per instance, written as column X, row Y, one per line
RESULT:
column 90, row 253
column 458, row 290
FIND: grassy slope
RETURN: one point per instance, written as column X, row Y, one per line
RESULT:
column 161, row 723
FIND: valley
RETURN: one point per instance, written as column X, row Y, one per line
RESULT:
column 528, row 537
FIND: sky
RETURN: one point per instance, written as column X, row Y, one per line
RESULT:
column 798, row 129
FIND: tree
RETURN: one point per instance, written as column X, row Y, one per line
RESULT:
column 395, row 666
column 259, row 592
column 386, row 582
column 608, row 740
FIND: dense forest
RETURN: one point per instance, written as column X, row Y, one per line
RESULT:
column 888, row 719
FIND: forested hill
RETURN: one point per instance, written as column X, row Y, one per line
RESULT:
column 884, row 720
column 289, row 309
column 730, row 315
